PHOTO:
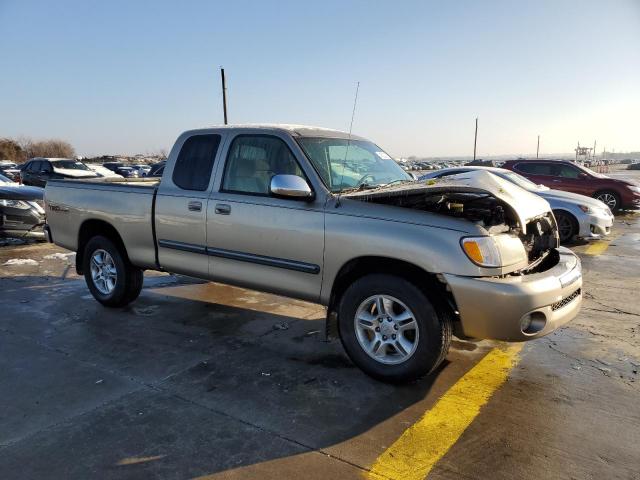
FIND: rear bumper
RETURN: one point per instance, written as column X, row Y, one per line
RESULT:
column 498, row 308
column 47, row 233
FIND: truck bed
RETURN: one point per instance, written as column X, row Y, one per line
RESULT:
column 127, row 205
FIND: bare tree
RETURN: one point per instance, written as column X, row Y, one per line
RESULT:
column 46, row 148
column 11, row 150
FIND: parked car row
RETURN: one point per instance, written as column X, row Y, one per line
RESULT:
column 21, row 210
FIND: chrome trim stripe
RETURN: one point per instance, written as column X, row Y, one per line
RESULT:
column 262, row 260
column 185, row 247
column 243, row 257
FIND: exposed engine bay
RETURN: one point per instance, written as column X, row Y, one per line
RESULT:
column 489, row 209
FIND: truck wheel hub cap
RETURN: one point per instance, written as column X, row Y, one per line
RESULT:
column 386, row 329
column 103, row 271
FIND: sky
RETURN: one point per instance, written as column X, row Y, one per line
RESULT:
column 128, row 76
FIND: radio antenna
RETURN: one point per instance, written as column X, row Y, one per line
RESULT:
column 353, row 114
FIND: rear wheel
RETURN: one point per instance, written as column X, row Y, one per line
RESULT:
column 609, row 198
column 567, row 225
column 391, row 330
column 111, row 278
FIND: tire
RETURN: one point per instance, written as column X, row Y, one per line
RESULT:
column 567, row 226
column 610, row 198
column 120, row 283
column 421, row 350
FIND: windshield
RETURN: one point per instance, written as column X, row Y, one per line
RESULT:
column 591, row 172
column 4, row 179
column 521, row 181
column 70, row 165
column 345, row 164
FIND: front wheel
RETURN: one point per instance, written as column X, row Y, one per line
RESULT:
column 609, row 198
column 391, row 330
column 111, row 278
column 567, row 226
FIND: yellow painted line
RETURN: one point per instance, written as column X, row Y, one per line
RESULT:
column 597, row 248
column 420, row 447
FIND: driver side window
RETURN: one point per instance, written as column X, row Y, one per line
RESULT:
column 253, row 160
column 566, row 171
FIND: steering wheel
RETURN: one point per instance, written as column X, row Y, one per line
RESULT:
column 364, row 177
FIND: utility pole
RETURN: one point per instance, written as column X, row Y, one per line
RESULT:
column 475, row 141
column 224, row 95
column 538, row 147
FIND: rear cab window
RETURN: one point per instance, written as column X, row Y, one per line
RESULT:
column 194, row 164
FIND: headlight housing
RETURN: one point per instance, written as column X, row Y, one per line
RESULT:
column 634, row 189
column 503, row 250
column 15, row 204
column 585, row 208
column 482, row 251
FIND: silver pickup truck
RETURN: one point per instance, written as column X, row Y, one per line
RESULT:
column 327, row 217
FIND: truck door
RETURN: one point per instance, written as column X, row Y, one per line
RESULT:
column 181, row 205
column 257, row 240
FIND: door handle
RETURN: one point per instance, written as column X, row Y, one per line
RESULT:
column 195, row 206
column 223, row 209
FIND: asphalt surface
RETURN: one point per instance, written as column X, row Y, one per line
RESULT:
column 201, row 380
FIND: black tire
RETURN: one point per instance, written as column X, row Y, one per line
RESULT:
column 434, row 325
column 567, row 226
column 610, row 198
column 129, row 279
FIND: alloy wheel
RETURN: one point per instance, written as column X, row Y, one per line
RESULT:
column 103, row 271
column 386, row 329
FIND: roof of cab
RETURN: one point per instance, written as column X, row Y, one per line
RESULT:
column 294, row 130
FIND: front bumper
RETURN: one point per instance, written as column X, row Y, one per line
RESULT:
column 631, row 201
column 595, row 225
column 495, row 308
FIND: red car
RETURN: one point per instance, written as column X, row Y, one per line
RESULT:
column 567, row 176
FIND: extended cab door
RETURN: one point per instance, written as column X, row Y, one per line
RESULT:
column 255, row 239
column 181, row 204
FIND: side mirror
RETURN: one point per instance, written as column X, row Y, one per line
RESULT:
column 583, row 176
column 290, row 186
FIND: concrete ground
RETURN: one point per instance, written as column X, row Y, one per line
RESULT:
column 200, row 380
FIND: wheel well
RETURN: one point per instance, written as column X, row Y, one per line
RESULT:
column 359, row 267
column 92, row 228
column 567, row 213
column 608, row 190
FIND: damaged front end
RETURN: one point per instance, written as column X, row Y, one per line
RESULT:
column 520, row 228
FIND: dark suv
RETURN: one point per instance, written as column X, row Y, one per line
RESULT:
column 38, row 171
column 570, row 177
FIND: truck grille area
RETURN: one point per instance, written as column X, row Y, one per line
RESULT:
column 566, row 301
column 541, row 236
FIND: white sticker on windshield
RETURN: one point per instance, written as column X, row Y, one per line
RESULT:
column 383, row 156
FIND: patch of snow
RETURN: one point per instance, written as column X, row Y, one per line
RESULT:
column 59, row 256
column 20, row 261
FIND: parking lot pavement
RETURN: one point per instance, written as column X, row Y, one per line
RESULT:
column 200, row 380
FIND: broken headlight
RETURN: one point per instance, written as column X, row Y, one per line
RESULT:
column 494, row 251
column 482, row 251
